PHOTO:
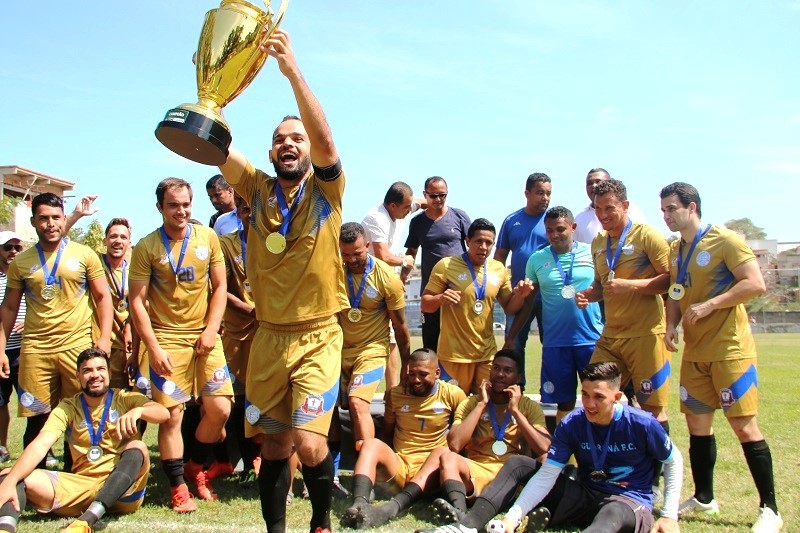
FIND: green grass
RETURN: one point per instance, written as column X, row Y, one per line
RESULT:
column 779, row 389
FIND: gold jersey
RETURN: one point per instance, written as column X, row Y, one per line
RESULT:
column 725, row 333
column 237, row 325
column 383, row 292
column 68, row 417
column 177, row 302
column 65, row 321
column 421, row 422
column 304, row 282
column 632, row 314
column 466, row 336
column 120, row 305
column 479, row 447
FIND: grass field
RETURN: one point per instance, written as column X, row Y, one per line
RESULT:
column 779, row 390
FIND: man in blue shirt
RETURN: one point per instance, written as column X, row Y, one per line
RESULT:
column 523, row 233
column 557, row 272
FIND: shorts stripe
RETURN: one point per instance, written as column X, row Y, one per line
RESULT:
column 303, row 414
column 740, row 387
column 178, row 395
column 34, row 404
column 372, row 376
column 696, row 406
column 138, row 495
column 447, row 378
column 211, row 386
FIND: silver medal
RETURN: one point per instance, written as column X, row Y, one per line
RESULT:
column 94, row 453
column 478, row 307
column 499, row 448
column 48, row 292
column 610, row 275
column 568, row 292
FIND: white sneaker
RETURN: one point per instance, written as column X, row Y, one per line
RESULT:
column 693, row 506
column 767, row 522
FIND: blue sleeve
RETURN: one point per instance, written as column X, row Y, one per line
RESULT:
column 560, row 448
column 658, row 442
column 502, row 238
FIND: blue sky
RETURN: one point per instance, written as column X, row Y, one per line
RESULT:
column 480, row 93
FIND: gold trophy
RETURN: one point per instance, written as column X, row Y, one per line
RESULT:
column 228, row 58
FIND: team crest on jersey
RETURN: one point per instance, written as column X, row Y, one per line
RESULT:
column 462, row 276
column 726, row 397
column 73, row 264
column 219, row 376
column 272, row 200
column 238, row 259
column 35, row 269
column 628, row 249
column 494, row 279
column 371, row 292
column 357, row 381
column 548, row 387
column 113, row 416
column 703, row 258
column 164, row 259
column 314, row 405
column 438, row 408
column 646, row 386
column 405, row 409
column 201, row 252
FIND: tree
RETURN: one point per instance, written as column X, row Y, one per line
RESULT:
column 746, row 227
column 93, row 238
column 7, row 206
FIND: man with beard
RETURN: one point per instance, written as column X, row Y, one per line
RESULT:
column 220, row 194
column 465, row 288
column 417, row 417
column 489, row 428
column 110, row 461
column 712, row 280
column 53, row 275
column 178, row 294
column 294, row 269
column 376, row 298
column 522, row 234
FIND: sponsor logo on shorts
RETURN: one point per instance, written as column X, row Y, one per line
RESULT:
column 684, row 394
column 703, row 258
column 548, row 387
column 73, row 264
column 358, row 380
column 314, row 405
column 252, row 414
column 726, row 397
column 26, row 399
column 168, row 387
column 646, row 386
column 201, row 252
column 438, row 407
column 219, row 376
column 142, row 383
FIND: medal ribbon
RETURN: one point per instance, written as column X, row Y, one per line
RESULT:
column 480, row 292
column 353, row 296
column 566, row 277
column 243, row 241
column 119, row 288
column 286, row 212
column 165, row 239
column 683, row 264
column 96, row 436
column 600, row 461
column 612, row 263
column 499, row 431
column 50, row 277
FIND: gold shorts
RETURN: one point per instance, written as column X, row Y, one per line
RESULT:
column 468, row 376
column 407, row 466
column 482, row 474
column 237, row 353
column 46, row 378
column 193, row 376
column 117, row 372
column 74, row 493
column 362, row 372
column 293, row 377
column 643, row 360
column 730, row 385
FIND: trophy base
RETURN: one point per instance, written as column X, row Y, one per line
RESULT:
column 195, row 136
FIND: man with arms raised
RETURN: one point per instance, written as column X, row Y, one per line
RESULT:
column 53, row 275
column 440, row 230
column 294, row 269
column 417, row 416
column 110, row 462
column 523, row 233
column 713, row 273
column 177, row 318
column 465, row 288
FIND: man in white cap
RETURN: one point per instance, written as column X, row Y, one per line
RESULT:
column 10, row 246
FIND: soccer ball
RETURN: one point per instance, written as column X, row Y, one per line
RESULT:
column 495, row 526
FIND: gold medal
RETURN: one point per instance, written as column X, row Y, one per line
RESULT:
column 48, row 292
column 276, row 243
column 354, row 314
column 677, row 291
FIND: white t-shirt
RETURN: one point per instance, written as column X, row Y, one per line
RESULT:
column 226, row 223
column 380, row 227
column 589, row 226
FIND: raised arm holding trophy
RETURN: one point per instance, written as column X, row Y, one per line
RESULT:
column 228, row 58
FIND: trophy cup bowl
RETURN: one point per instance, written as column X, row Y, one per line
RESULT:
column 228, row 58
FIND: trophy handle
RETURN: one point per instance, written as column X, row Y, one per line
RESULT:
column 281, row 11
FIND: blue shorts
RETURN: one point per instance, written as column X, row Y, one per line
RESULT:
column 560, row 366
